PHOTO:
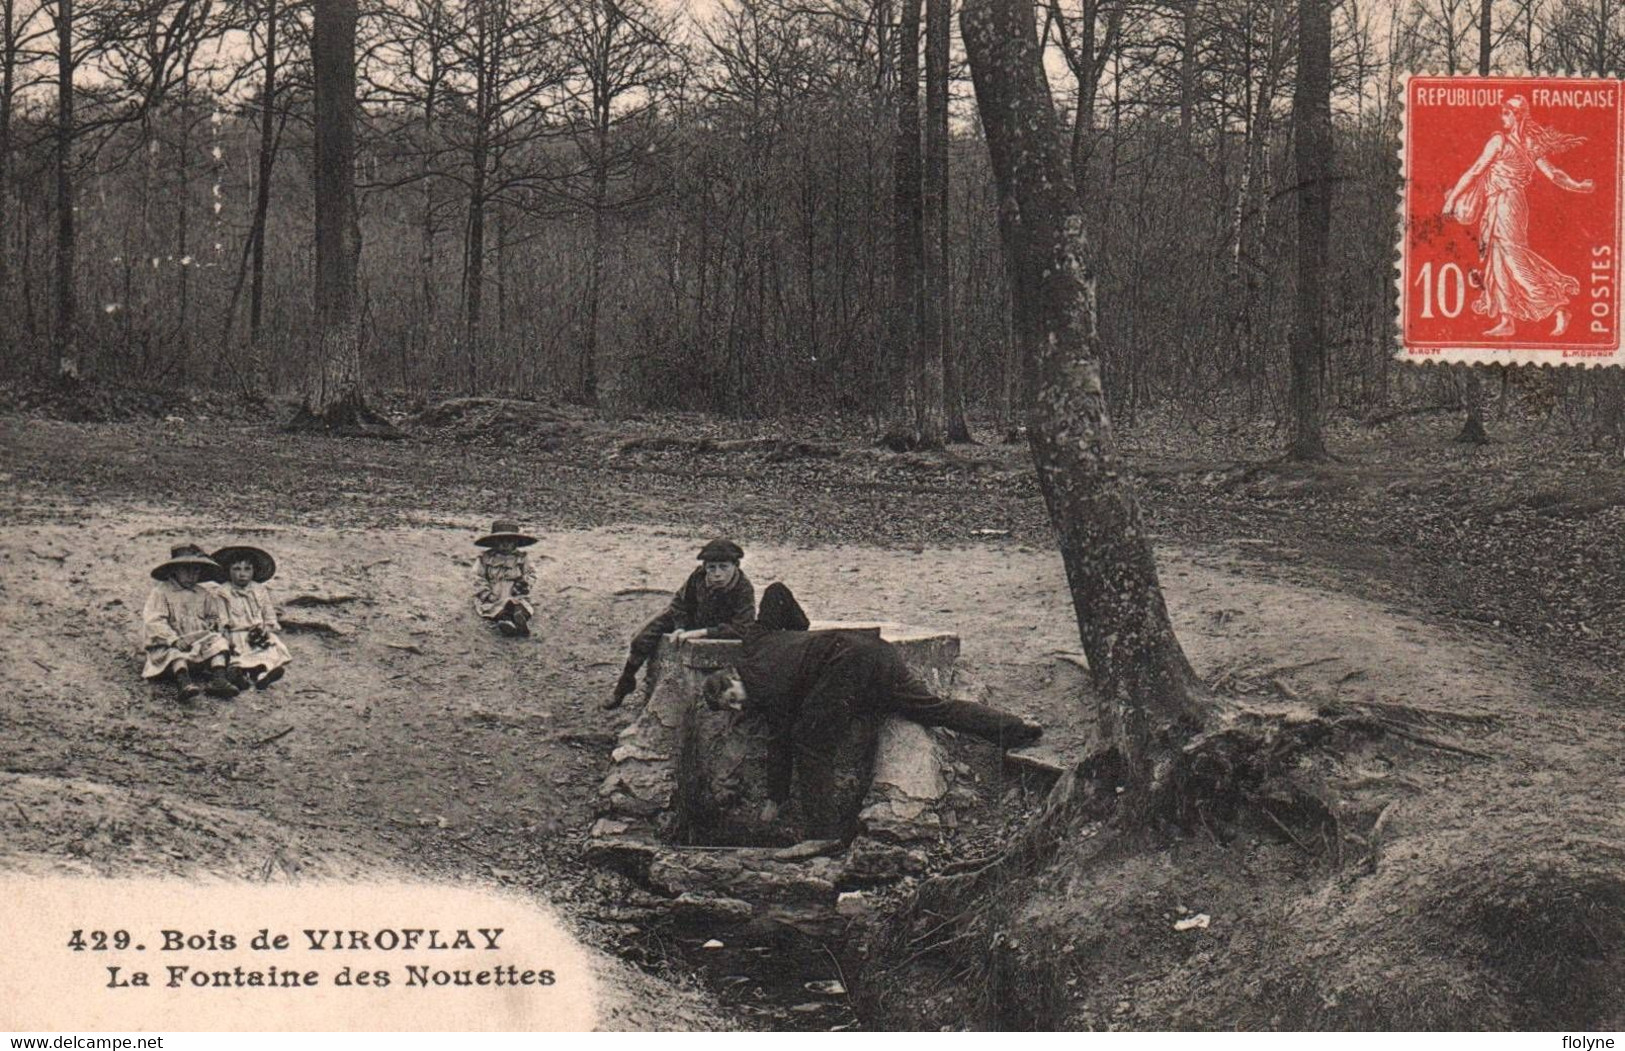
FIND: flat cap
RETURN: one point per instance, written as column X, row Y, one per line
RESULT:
column 720, row 550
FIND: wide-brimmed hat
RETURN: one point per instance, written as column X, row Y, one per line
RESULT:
column 189, row 555
column 264, row 564
column 505, row 529
column 720, row 550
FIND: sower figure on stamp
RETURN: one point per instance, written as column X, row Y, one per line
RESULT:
column 715, row 595
column 811, row 684
column 504, row 577
column 1517, row 283
column 258, row 657
column 181, row 620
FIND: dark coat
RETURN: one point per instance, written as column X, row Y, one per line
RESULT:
column 811, row 684
column 697, row 605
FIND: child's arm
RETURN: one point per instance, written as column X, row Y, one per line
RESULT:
column 526, row 576
column 155, row 617
column 216, row 611
column 268, row 610
column 685, row 605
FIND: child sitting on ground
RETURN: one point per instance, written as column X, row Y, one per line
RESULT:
column 248, row 618
column 504, row 578
column 182, row 621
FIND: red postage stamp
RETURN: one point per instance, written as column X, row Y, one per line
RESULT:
column 1510, row 243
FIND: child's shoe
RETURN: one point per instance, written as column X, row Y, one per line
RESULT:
column 220, row 686
column 266, row 678
column 238, row 678
column 521, row 622
column 507, row 627
column 185, row 688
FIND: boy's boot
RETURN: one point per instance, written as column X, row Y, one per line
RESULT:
column 624, row 686
column 266, row 678
column 507, row 626
column 185, row 688
column 219, row 685
column 239, row 678
column 521, row 622
column 1026, row 735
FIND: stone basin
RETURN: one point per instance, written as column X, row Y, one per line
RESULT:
column 679, row 810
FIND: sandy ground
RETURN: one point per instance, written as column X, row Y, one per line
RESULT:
column 409, row 735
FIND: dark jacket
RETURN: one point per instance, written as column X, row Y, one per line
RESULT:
column 779, row 668
column 810, row 684
column 696, row 605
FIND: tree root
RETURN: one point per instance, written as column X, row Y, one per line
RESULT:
column 1431, row 716
column 347, row 418
column 1252, row 770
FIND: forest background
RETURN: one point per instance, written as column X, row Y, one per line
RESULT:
column 621, row 203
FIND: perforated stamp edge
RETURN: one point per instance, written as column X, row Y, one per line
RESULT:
column 1429, row 354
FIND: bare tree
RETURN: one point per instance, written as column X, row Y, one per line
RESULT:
column 270, row 26
column 1312, row 114
column 269, row 132
column 1443, row 29
column 65, row 336
column 334, row 393
column 926, row 374
column 20, row 33
column 1582, row 35
column 621, row 60
column 1087, row 42
column 507, row 60
column 153, row 56
column 908, row 244
column 416, row 61
column 1149, row 697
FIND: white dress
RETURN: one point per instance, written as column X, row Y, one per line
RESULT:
column 181, row 624
column 496, row 573
column 242, row 610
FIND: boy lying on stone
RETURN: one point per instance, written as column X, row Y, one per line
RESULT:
column 812, row 684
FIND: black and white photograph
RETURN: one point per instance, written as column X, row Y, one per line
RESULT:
column 812, row 516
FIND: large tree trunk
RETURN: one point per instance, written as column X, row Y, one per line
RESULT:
column 334, row 395
column 939, row 26
column 602, row 75
column 1312, row 113
column 1150, row 700
column 66, row 336
column 932, row 346
column 907, row 244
